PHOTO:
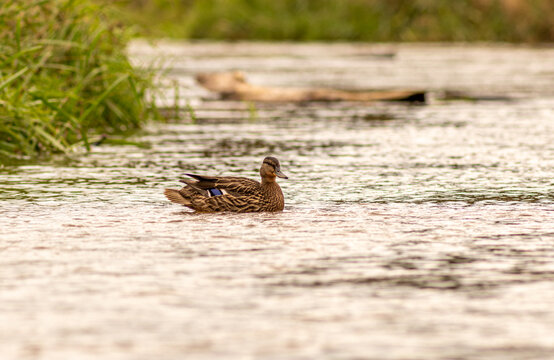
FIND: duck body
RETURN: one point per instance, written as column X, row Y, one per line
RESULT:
column 229, row 193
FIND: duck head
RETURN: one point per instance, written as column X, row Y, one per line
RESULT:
column 271, row 169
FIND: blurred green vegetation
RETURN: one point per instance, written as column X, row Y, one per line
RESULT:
column 350, row 20
column 64, row 76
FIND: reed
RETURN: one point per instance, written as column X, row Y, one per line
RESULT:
column 64, row 76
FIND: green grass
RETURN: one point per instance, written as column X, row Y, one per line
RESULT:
column 64, row 76
column 350, row 20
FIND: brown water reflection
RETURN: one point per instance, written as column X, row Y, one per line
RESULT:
column 409, row 232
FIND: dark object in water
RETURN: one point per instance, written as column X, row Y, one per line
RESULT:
column 461, row 95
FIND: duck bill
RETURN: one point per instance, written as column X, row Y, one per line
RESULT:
column 280, row 174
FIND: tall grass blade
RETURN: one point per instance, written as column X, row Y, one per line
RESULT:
column 12, row 78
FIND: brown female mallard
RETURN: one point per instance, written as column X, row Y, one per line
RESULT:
column 229, row 193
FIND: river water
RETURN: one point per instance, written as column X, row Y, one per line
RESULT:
column 409, row 232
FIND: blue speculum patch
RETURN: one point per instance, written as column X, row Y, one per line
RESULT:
column 215, row 192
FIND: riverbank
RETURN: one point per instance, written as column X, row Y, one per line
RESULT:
column 64, row 76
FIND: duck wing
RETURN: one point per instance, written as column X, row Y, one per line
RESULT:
column 236, row 186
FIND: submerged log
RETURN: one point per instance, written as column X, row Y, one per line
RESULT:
column 233, row 86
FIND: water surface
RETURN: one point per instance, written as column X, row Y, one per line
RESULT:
column 410, row 232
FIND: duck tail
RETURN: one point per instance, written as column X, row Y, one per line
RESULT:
column 176, row 197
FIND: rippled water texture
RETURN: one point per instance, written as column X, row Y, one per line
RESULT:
column 410, row 232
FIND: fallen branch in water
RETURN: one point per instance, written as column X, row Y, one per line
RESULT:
column 233, row 86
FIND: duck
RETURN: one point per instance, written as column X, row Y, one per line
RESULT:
column 233, row 194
